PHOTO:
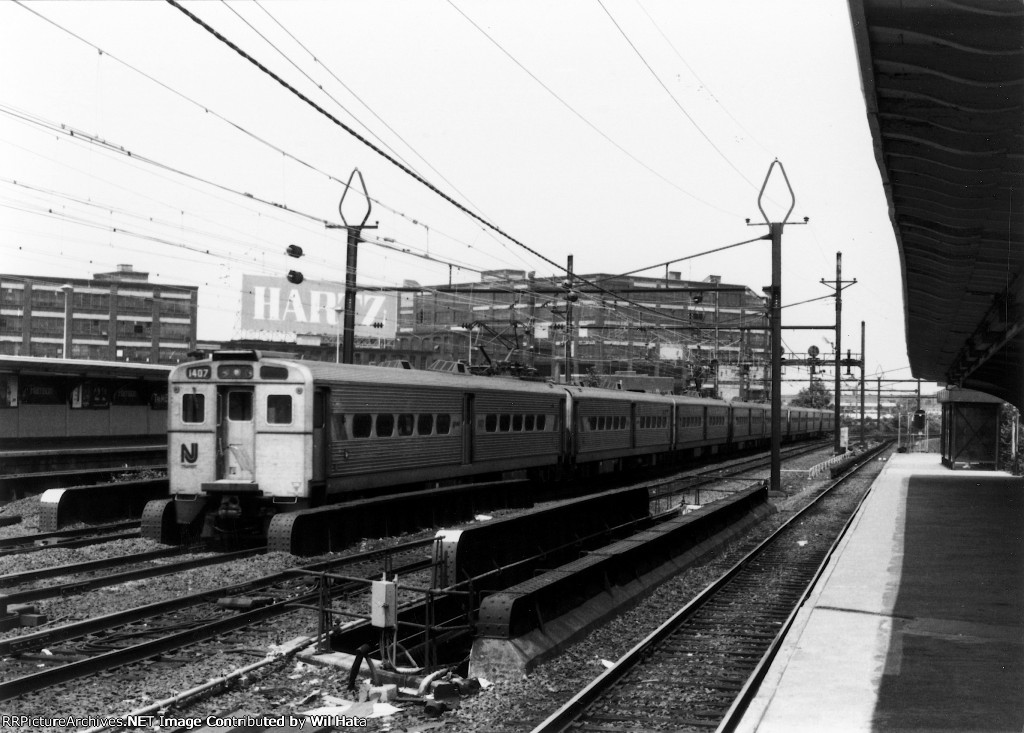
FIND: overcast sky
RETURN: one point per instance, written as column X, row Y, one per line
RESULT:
column 623, row 132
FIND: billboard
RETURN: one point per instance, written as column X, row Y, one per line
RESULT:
column 274, row 305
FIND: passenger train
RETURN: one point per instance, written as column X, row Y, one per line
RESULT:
column 77, row 414
column 250, row 436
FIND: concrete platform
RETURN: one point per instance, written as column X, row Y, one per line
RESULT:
column 918, row 622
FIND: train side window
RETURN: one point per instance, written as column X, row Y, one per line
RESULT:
column 541, row 421
column 491, row 423
column 406, row 422
column 239, row 406
column 593, row 422
column 517, row 423
column 193, row 407
column 338, row 431
column 8, row 390
column 362, row 424
column 444, row 424
column 504, row 421
column 385, row 425
column 529, row 422
column 425, row 424
column 279, row 409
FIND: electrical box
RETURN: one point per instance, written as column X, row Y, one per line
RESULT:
column 383, row 604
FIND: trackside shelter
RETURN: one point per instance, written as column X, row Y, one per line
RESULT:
column 970, row 429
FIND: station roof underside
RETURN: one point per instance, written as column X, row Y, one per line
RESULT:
column 943, row 82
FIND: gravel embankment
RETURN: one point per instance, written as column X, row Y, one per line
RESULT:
column 508, row 706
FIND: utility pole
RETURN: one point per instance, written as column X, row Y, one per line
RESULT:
column 839, row 285
column 863, row 365
column 358, row 210
column 570, row 296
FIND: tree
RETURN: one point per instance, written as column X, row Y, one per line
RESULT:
column 813, row 396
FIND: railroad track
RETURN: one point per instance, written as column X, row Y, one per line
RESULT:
column 700, row 668
column 70, row 537
column 737, row 470
column 81, row 649
column 26, row 586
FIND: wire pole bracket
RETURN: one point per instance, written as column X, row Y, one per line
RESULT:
column 355, row 231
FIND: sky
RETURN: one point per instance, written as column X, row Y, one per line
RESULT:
column 625, row 133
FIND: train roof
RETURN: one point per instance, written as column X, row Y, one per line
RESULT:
column 83, row 368
column 376, row 375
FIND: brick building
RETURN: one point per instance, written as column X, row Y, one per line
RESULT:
column 114, row 316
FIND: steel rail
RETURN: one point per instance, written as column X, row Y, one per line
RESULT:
column 27, row 576
column 562, row 718
column 138, row 652
column 79, row 629
column 25, row 539
column 81, row 586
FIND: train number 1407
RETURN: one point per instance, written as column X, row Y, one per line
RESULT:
column 198, row 372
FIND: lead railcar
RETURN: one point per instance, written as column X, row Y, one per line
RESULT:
column 250, row 437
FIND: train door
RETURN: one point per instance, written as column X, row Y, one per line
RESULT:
column 320, row 397
column 236, row 435
column 468, row 427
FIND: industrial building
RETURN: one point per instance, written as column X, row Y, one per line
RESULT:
column 114, row 316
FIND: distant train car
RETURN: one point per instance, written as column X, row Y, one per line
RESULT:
column 60, row 414
column 251, row 436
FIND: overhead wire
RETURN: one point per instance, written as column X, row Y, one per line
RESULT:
column 234, row 125
column 347, row 128
column 348, row 89
column 98, row 141
column 361, row 138
column 582, row 117
column 87, row 138
column 702, row 83
column 682, row 109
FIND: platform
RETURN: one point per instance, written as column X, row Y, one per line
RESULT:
column 917, row 623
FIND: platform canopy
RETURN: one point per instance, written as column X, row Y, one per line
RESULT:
column 943, row 83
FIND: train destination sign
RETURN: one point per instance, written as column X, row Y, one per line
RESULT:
column 272, row 304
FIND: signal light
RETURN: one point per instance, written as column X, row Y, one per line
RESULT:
column 295, row 277
column 697, row 298
column 294, row 250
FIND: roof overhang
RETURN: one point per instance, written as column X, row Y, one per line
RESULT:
column 943, row 82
